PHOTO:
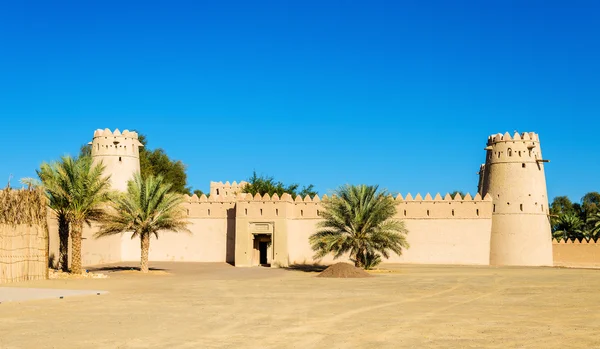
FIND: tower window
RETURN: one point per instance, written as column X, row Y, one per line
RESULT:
column 209, row 211
column 477, row 212
column 519, row 153
column 246, row 211
column 453, row 212
column 277, row 212
column 217, row 191
column 405, row 213
column 301, row 213
column 521, row 207
column 494, row 208
column 523, row 165
column 428, row 213
column 509, row 152
column 261, row 211
column 119, row 159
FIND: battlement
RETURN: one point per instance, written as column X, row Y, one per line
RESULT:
column 226, row 189
column 524, row 136
column 409, row 207
column 107, row 143
column 108, row 133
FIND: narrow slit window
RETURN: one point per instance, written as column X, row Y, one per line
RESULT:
column 246, row 211
column 427, row 213
column 494, row 208
column 261, row 211
column 509, row 152
column 209, row 211
column 523, row 165
column 277, row 212
column 119, row 159
column 477, row 212
column 301, row 213
column 217, row 191
column 453, row 212
column 318, row 213
column 405, row 213
column 521, row 207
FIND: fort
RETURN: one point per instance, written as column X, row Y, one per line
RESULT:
column 505, row 223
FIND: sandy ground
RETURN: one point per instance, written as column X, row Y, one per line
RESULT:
column 190, row 305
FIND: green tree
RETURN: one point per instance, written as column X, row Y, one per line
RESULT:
column 148, row 206
column 199, row 193
column 453, row 194
column 50, row 177
column 594, row 225
column 359, row 220
column 267, row 185
column 569, row 226
column 78, row 189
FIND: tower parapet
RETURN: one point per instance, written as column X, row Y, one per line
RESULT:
column 119, row 153
column 514, row 176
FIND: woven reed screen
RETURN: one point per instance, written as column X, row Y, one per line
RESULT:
column 23, row 235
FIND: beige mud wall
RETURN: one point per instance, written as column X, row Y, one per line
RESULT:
column 576, row 254
column 441, row 230
column 210, row 238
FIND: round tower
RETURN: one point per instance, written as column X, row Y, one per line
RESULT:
column 119, row 153
column 513, row 175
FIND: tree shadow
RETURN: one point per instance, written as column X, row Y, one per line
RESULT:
column 307, row 268
column 112, row 269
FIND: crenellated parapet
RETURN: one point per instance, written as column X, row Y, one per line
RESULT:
column 227, row 189
column 521, row 147
column 275, row 207
column 117, row 143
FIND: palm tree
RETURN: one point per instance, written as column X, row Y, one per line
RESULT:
column 594, row 221
column 569, row 226
column 58, row 202
column 146, row 208
column 358, row 220
column 79, row 190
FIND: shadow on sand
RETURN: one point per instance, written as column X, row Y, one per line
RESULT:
column 307, row 268
column 116, row 268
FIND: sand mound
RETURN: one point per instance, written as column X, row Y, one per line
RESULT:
column 343, row 270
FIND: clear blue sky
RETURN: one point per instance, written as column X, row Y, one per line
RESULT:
column 399, row 93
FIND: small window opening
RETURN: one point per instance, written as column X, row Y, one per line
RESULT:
column 209, row 211
column 119, row 159
column 494, row 208
column 427, row 212
column 277, row 212
column 519, row 153
column 508, row 203
column 188, row 211
column 477, row 212
column 404, row 212
column 542, row 208
column 498, row 155
column 301, row 213
column 246, row 211
column 261, row 211
column 453, row 212
column 509, row 152
column 521, row 207
column 318, row 213
column 217, row 191
column 523, row 165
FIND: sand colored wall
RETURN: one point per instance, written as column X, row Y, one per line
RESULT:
column 441, row 230
column 119, row 153
column 226, row 189
column 514, row 176
column 576, row 254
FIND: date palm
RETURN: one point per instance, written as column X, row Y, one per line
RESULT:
column 58, row 202
column 569, row 226
column 359, row 220
column 77, row 190
column 148, row 206
column 594, row 222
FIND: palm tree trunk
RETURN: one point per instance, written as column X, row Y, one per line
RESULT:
column 145, row 244
column 63, row 237
column 76, row 235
